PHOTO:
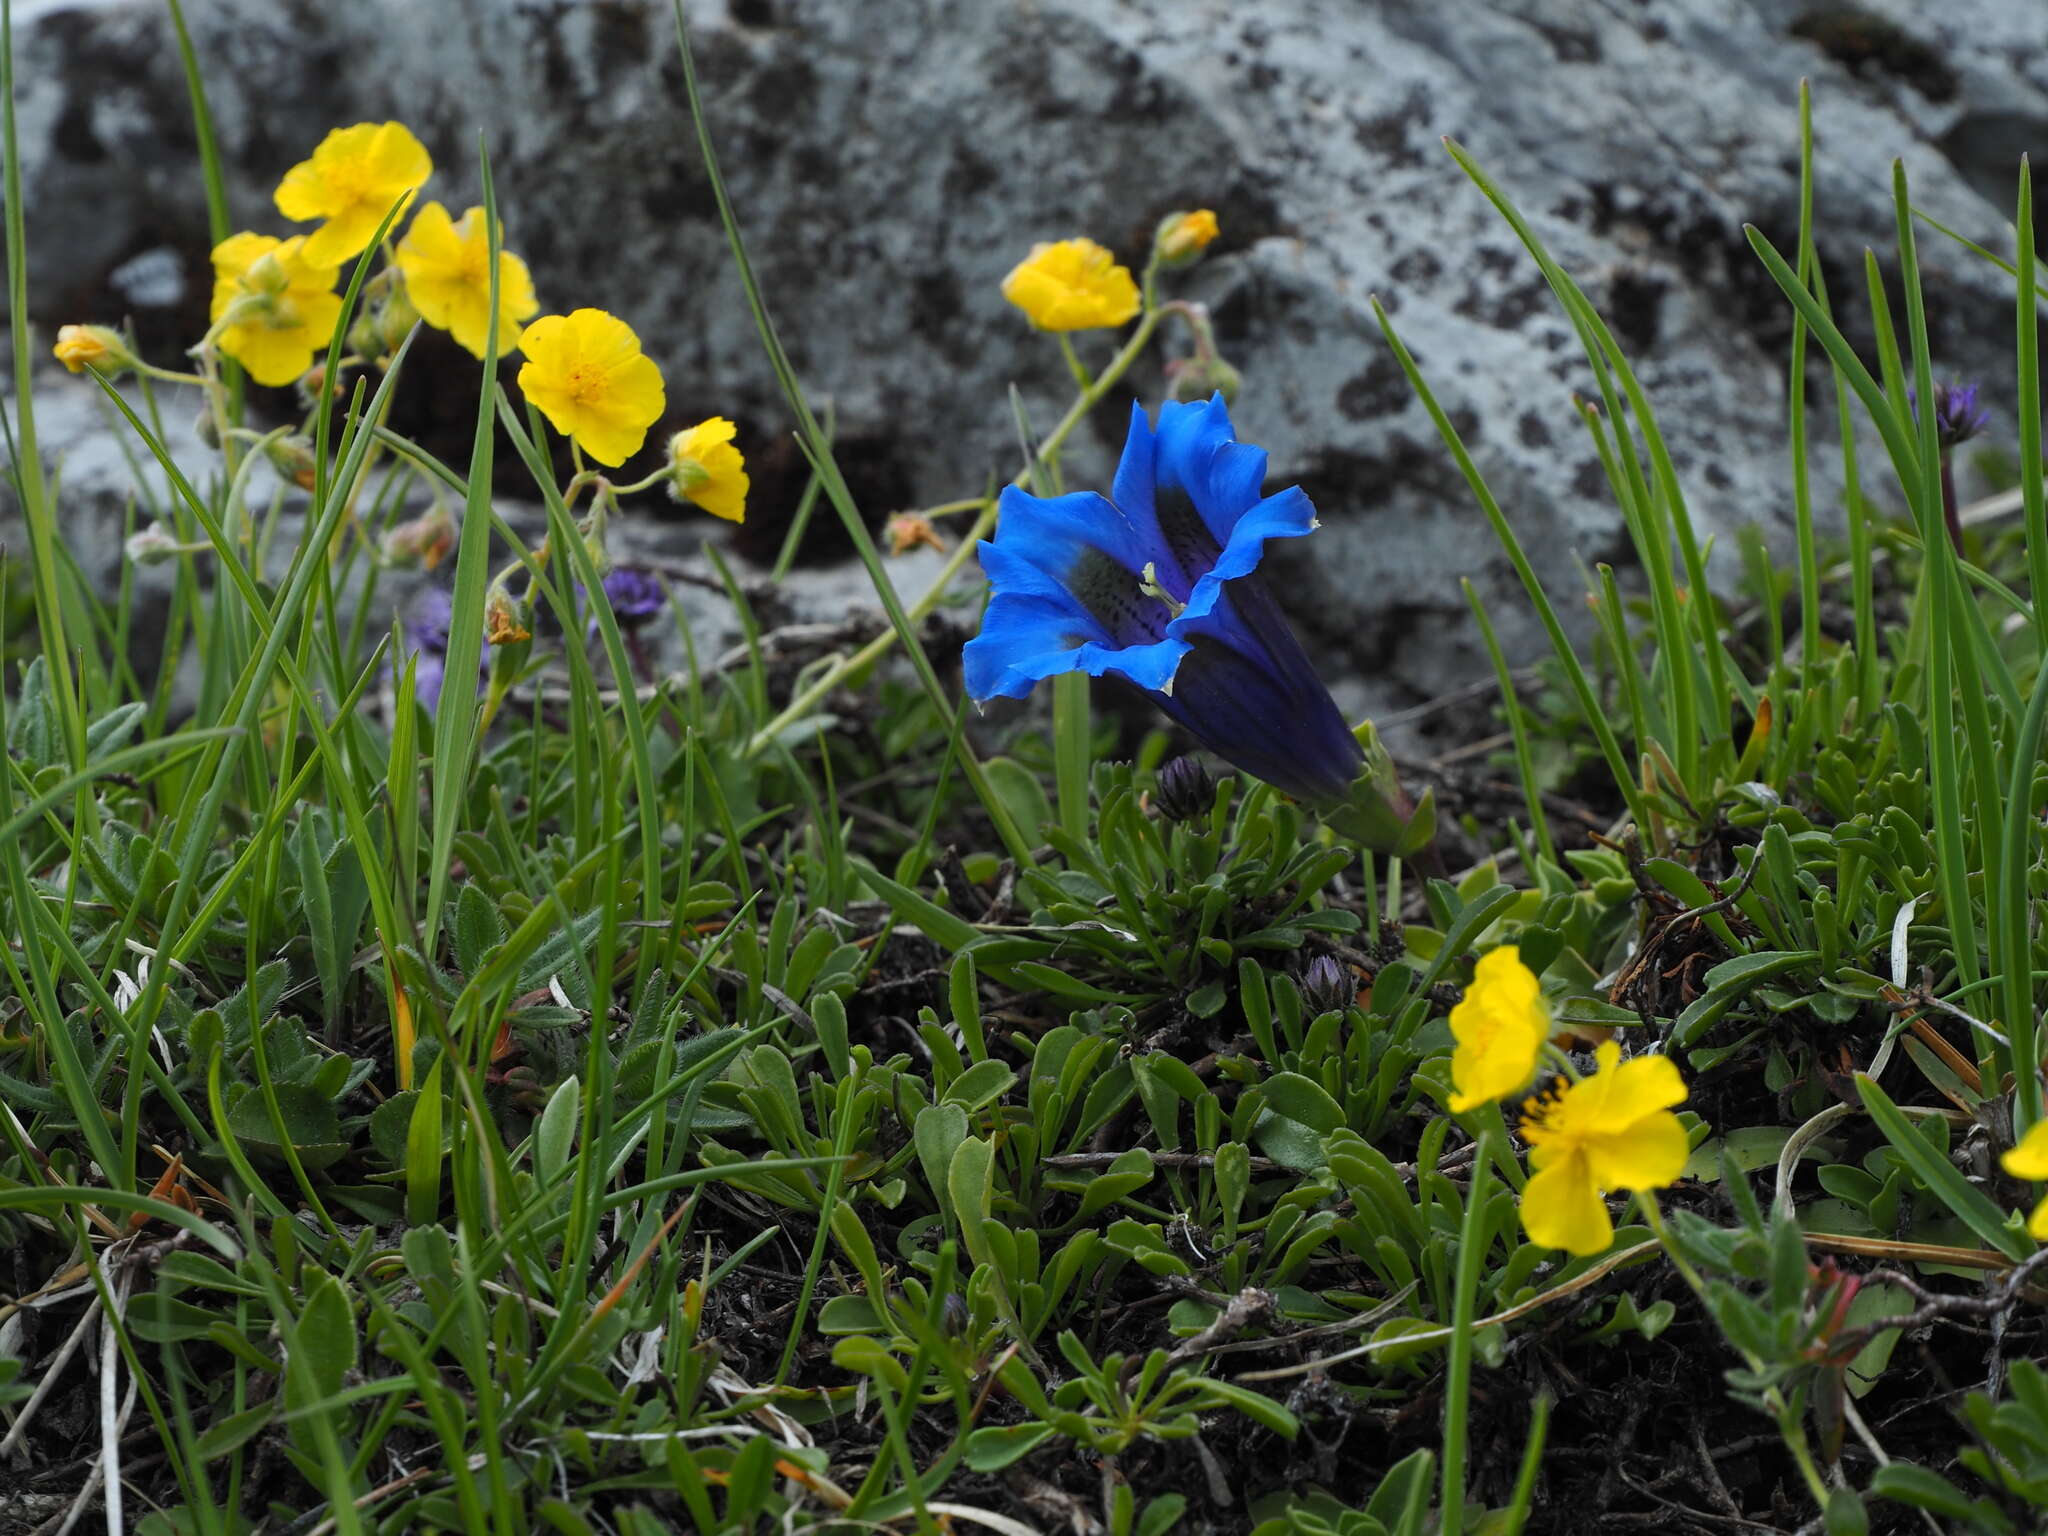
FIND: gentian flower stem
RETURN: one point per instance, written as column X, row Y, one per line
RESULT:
column 821, row 688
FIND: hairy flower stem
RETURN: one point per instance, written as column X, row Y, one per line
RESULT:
column 809, row 698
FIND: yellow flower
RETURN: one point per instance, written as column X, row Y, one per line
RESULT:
column 447, row 270
column 1184, row 236
column 1073, row 285
column 352, row 180
column 2029, row 1160
column 284, row 304
column 709, row 470
column 91, row 346
column 1614, row 1130
column 1500, row 1026
column 588, row 376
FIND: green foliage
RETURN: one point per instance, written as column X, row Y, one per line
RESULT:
column 605, row 1106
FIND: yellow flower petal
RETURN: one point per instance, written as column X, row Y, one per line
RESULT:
column 586, row 373
column 2029, row 1160
column 1500, row 1026
column 2037, row 1224
column 1648, row 1154
column 284, row 305
column 1612, row 1130
column 352, row 181
column 447, row 273
column 1072, row 285
column 1561, row 1208
column 709, row 471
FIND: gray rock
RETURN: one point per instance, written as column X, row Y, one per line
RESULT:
column 892, row 159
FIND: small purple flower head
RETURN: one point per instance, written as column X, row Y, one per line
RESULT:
column 1327, row 986
column 636, row 596
column 1957, row 417
column 427, row 619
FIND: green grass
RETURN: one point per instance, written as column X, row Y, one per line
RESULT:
column 768, row 1101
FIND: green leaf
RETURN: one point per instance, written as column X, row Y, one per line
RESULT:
column 324, row 1339
column 992, row 1449
column 554, row 1137
column 478, row 928
column 1728, row 983
column 1970, row 1204
column 231, row 1431
column 309, row 1125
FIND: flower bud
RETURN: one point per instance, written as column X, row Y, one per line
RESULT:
column 1182, row 237
column 396, row 319
column 365, row 336
column 1191, row 379
column 502, row 624
column 151, row 546
column 1184, row 790
column 292, row 457
column 1327, row 986
column 97, row 347
column 910, row 530
column 309, row 385
column 424, row 541
column 206, row 429
column 954, row 1316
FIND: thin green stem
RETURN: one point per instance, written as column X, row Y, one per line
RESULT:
column 808, row 698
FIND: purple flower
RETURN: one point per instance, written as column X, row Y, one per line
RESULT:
column 635, row 595
column 1957, row 417
column 427, row 620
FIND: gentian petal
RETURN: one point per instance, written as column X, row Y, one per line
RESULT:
column 1159, row 587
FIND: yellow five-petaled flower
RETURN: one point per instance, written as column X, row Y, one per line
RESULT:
column 586, row 373
column 1613, row 1130
column 706, row 469
column 280, row 305
column 1500, row 1026
column 2029, row 1160
column 1072, row 285
column 352, row 181
column 447, row 267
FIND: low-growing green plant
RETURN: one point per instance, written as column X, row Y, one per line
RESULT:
column 593, row 1100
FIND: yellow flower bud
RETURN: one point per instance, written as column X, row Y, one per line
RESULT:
column 1184, row 236
column 92, row 346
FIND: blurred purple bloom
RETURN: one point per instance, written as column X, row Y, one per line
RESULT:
column 636, row 596
column 1957, row 417
column 427, row 620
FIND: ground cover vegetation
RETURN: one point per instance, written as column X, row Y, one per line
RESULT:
column 780, row 1097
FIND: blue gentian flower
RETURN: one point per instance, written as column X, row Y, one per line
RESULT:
column 636, row 596
column 1158, row 584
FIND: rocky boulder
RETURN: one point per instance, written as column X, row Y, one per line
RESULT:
column 892, row 159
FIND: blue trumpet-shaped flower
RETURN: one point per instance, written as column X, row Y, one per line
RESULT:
column 1158, row 584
